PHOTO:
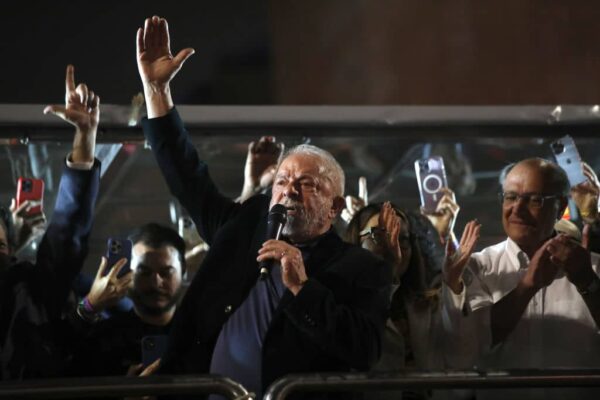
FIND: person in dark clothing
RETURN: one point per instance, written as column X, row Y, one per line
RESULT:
column 324, row 303
column 32, row 296
column 113, row 346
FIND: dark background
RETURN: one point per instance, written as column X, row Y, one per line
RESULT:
column 314, row 51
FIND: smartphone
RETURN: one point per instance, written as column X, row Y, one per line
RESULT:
column 116, row 249
column 566, row 155
column 33, row 190
column 431, row 178
column 153, row 348
column 189, row 233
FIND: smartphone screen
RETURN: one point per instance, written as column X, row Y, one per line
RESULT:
column 566, row 155
column 153, row 348
column 33, row 190
column 431, row 178
column 117, row 249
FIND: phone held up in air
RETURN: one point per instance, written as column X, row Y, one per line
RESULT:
column 431, row 178
column 33, row 190
column 153, row 348
column 117, row 249
column 189, row 233
column 566, row 155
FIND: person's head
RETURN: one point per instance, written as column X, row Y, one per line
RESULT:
column 310, row 182
column 422, row 252
column 158, row 265
column 535, row 193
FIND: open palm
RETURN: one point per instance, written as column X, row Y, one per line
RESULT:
column 156, row 64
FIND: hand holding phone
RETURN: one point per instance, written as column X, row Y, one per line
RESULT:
column 566, row 155
column 431, row 178
column 32, row 190
column 117, row 249
column 153, row 348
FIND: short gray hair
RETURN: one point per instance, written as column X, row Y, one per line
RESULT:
column 329, row 168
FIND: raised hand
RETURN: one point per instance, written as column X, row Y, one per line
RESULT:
column 354, row 204
column 156, row 64
column 586, row 195
column 108, row 289
column 26, row 226
column 444, row 217
column 391, row 224
column 82, row 110
column 456, row 261
column 261, row 162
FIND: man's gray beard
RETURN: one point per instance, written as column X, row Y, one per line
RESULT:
column 303, row 225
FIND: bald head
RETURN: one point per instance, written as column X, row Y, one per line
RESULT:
column 553, row 178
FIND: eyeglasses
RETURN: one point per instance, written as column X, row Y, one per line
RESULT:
column 372, row 233
column 532, row 200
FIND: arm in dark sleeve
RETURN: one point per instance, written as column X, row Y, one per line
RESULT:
column 64, row 246
column 186, row 175
column 350, row 332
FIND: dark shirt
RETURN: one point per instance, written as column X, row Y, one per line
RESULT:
column 112, row 345
column 238, row 351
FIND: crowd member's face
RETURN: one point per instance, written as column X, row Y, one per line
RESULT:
column 374, row 241
column 157, row 275
column 300, row 186
column 527, row 225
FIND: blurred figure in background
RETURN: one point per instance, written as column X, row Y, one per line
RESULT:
column 259, row 170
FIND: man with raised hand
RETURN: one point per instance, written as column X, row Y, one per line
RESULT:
column 322, row 306
column 32, row 296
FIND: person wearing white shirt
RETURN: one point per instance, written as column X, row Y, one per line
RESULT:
column 533, row 300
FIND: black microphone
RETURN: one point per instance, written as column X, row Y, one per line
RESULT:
column 275, row 223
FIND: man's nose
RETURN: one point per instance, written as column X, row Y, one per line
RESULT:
column 156, row 279
column 290, row 190
column 521, row 204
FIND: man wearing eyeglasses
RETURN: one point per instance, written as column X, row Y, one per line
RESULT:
column 533, row 300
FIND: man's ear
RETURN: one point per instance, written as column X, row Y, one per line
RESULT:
column 338, row 205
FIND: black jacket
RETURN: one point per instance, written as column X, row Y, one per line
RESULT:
column 336, row 321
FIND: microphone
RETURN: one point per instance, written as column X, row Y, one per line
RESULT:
column 275, row 223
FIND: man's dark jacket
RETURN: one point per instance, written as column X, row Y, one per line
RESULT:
column 335, row 322
column 33, row 296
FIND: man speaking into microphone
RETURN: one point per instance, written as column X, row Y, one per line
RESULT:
column 322, row 303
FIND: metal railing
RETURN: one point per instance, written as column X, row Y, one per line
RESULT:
column 123, row 386
column 341, row 382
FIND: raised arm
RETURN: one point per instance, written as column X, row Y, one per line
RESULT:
column 186, row 175
column 64, row 246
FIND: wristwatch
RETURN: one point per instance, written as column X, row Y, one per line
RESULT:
column 593, row 287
